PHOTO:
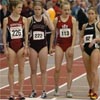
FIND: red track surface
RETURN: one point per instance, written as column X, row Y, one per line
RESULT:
column 78, row 69
column 3, row 61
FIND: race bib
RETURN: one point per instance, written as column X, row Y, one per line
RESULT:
column 88, row 38
column 38, row 35
column 16, row 32
column 65, row 33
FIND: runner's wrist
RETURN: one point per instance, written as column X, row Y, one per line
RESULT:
column 26, row 46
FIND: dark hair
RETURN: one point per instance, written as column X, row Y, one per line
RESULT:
column 14, row 3
column 38, row 2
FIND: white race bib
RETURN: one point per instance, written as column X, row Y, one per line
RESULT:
column 16, row 32
column 88, row 38
column 38, row 35
column 65, row 33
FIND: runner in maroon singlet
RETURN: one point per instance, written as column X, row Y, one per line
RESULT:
column 65, row 29
column 15, row 46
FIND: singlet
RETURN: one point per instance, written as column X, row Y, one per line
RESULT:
column 64, row 31
column 15, row 36
column 15, row 29
column 91, row 32
column 37, row 35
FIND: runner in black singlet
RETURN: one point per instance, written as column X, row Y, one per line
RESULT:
column 89, row 42
column 38, row 45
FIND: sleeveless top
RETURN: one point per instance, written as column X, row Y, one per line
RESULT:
column 64, row 31
column 37, row 31
column 91, row 32
column 15, row 29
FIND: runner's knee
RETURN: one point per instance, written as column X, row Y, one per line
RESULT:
column 69, row 70
column 43, row 71
column 33, row 71
column 11, row 70
column 57, row 70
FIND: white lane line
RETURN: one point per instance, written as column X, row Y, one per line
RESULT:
column 66, row 83
column 16, row 65
column 68, row 99
column 4, row 69
column 3, row 58
column 98, row 98
column 61, row 85
column 77, row 78
column 25, row 62
column 37, row 73
column 3, row 99
column 53, row 99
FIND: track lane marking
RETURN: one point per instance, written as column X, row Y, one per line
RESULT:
column 38, row 72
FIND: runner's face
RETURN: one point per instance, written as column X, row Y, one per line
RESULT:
column 18, row 8
column 66, row 10
column 91, row 15
column 38, row 10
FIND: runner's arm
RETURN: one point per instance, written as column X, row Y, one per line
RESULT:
column 26, row 31
column 74, row 31
column 48, row 20
column 53, row 33
column 4, row 36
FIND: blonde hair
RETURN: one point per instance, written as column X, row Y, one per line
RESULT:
column 64, row 3
column 92, row 8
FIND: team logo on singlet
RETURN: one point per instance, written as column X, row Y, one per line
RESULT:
column 88, row 38
column 65, row 32
column 16, row 32
column 38, row 35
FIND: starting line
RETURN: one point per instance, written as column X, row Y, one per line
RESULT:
column 55, row 99
column 51, row 99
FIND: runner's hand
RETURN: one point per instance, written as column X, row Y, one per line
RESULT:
column 45, row 13
column 71, row 51
column 51, row 51
column 25, row 53
column 92, row 43
column 82, row 47
column 6, row 52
